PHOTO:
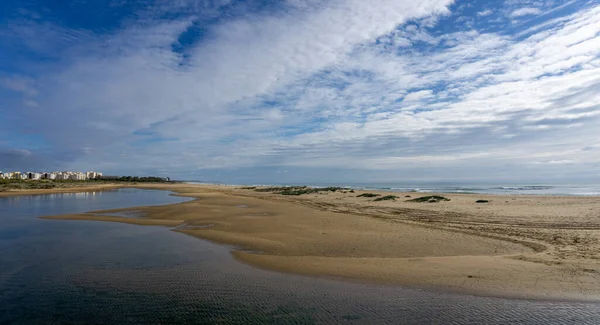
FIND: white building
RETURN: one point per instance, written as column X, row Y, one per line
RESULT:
column 51, row 176
column 64, row 175
column 34, row 176
column 61, row 176
column 93, row 175
column 77, row 176
column 19, row 175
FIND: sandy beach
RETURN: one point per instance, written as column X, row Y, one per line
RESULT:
column 514, row 246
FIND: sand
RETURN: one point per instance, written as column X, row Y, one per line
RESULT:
column 513, row 246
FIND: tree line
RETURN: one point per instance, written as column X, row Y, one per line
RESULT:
column 145, row 179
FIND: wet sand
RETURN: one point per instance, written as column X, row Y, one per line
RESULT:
column 514, row 246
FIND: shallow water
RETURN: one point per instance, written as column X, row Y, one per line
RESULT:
column 57, row 271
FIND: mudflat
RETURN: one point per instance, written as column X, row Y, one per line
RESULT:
column 514, row 246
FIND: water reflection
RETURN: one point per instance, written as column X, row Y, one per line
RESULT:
column 53, row 196
column 37, row 203
column 56, row 271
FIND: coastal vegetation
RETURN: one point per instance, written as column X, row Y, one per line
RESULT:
column 25, row 184
column 368, row 195
column 430, row 199
column 386, row 198
column 14, row 184
column 298, row 190
column 137, row 179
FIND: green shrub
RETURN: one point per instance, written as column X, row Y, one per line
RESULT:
column 386, row 198
column 368, row 195
column 297, row 190
column 430, row 199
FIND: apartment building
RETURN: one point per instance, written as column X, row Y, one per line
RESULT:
column 64, row 175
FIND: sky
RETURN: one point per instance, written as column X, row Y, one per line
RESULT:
column 303, row 90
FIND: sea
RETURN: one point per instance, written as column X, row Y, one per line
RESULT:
column 592, row 189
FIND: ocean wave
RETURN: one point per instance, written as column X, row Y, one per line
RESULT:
column 524, row 188
column 465, row 189
column 407, row 189
column 587, row 193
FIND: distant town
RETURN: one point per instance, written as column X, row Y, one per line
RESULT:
column 76, row 176
column 66, row 175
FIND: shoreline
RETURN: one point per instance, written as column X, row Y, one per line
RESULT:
column 525, row 190
column 69, row 189
column 505, row 248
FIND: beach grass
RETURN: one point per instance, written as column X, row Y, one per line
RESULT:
column 430, row 198
column 298, row 190
column 386, row 198
column 368, row 195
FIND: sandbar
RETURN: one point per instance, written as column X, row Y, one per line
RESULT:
column 536, row 247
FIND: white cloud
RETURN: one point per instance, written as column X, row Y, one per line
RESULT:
column 31, row 103
column 326, row 85
column 134, row 81
column 525, row 12
column 517, row 94
column 485, row 13
column 418, row 95
column 21, row 84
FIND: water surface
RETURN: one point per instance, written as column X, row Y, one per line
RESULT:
column 460, row 187
column 57, row 271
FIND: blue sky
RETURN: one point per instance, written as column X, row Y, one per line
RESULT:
column 303, row 91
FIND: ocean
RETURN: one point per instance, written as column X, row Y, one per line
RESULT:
column 452, row 187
